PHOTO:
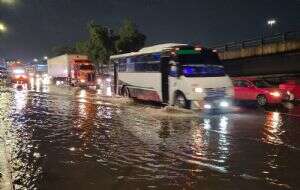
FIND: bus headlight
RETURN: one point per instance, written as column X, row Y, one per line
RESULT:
column 224, row 104
column 207, row 106
column 199, row 90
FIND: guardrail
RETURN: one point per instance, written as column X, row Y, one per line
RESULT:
column 280, row 37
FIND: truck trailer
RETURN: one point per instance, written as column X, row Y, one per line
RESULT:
column 76, row 70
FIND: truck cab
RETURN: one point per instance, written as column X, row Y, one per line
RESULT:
column 84, row 73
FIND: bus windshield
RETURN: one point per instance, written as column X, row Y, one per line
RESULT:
column 203, row 71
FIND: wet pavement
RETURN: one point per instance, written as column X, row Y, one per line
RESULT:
column 74, row 139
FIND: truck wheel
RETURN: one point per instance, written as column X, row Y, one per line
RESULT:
column 181, row 101
column 126, row 92
column 262, row 100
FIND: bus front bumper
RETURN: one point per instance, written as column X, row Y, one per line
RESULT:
column 221, row 104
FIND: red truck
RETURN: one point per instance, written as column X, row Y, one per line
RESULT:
column 17, row 73
column 76, row 70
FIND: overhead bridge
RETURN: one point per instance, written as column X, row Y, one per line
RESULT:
column 277, row 54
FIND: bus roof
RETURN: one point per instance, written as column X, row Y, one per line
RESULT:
column 151, row 49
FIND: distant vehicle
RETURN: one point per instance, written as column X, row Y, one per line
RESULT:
column 104, row 80
column 292, row 88
column 253, row 89
column 174, row 74
column 17, row 73
column 76, row 70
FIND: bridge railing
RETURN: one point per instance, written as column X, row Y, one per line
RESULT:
column 279, row 37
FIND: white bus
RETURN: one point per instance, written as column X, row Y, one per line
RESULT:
column 174, row 74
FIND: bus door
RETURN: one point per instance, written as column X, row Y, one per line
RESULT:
column 115, row 79
column 165, row 79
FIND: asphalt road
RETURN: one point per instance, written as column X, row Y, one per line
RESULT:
column 75, row 139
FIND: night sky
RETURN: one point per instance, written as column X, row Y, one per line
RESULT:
column 35, row 26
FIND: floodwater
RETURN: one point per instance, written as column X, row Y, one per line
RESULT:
column 75, row 140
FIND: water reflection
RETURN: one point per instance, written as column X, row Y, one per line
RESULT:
column 20, row 97
column 72, row 142
column 216, row 130
column 272, row 129
column 39, row 84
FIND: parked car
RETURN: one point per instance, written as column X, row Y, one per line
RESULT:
column 253, row 89
column 292, row 88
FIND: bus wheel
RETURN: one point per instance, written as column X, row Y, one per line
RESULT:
column 262, row 100
column 181, row 101
column 126, row 92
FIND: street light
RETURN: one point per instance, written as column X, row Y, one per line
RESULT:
column 45, row 58
column 271, row 22
column 3, row 27
column 35, row 60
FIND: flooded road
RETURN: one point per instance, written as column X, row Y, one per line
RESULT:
column 78, row 141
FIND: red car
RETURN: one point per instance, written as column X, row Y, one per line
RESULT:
column 292, row 88
column 257, row 90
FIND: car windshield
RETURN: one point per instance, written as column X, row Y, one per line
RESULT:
column 203, row 71
column 261, row 84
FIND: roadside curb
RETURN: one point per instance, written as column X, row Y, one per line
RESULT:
column 5, row 169
column 5, row 174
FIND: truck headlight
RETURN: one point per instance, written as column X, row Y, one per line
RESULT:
column 199, row 90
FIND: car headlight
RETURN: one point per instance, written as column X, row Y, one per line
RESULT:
column 275, row 94
column 199, row 90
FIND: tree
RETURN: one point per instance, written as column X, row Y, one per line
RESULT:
column 100, row 45
column 61, row 50
column 81, row 47
column 130, row 39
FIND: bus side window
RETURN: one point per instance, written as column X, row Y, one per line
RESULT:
column 173, row 71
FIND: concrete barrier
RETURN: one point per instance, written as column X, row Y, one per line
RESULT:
column 261, row 50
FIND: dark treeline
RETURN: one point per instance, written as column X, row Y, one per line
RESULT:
column 103, row 42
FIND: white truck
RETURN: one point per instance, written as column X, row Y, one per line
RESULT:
column 76, row 70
